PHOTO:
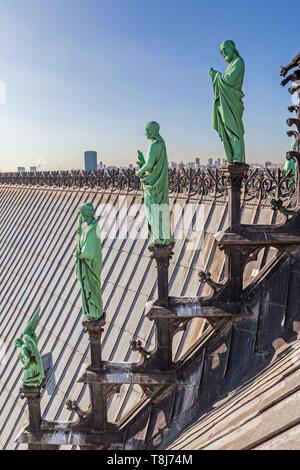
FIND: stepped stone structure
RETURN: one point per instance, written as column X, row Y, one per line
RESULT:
column 199, row 345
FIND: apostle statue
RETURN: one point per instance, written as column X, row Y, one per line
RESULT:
column 289, row 166
column 228, row 107
column 29, row 354
column 154, row 174
column 89, row 263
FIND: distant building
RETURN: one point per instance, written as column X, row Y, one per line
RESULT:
column 197, row 162
column 90, row 161
column 256, row 165
column 33, row 169
column 112, row 167
column 21, row 169
column 100, row 166
column 210, row 162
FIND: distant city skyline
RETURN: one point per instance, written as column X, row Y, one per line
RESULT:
column 91, row 163
column 211, row 162
column 87, row 75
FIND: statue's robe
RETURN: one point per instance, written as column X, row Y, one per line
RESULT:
column 155, row 185
column 289, row 167
column 33, row 375
column 89, row 267
column 228, row 110
column 290, row 164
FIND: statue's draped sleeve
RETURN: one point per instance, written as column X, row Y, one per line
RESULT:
column 90, row 248
column 34, row 374
column 152, row 157
column 289, row 167
column 25, row 357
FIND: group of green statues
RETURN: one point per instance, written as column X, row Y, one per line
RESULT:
column 88, row 270
column 153, row 171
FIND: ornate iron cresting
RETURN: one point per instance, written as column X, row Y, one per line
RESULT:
column 192, row 183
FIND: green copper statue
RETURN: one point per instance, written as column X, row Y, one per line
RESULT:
column 89, row 263
column 154, row 174
column 30, row 357
column 228, row 105
column 290, row 164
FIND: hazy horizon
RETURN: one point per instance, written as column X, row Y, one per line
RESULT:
column 87, row 76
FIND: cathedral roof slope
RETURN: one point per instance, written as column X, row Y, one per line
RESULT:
column 38, row 236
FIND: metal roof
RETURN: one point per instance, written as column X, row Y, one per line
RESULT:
column 261, row 415
column 37, row 235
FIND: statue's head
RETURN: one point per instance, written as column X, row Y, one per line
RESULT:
column 152, row 129
column 19, row 343
column 87, row 211
column 229, row 51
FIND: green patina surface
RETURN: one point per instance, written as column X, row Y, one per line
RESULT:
column 29, row 355
column 89, row 263
column 154, row 174
column 290, row 167
column 228, row 107
column 290, row 164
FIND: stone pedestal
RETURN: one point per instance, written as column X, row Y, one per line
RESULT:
column 100, row 393
column 234, row 174
column 33, row 400
column 162, row 255
column 175, row 318
column 95, row 330
column 33, row 397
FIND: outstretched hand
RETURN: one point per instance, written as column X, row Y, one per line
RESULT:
column 212, row 72
column 141, row 159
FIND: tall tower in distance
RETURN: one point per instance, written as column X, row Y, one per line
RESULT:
column 90, row 161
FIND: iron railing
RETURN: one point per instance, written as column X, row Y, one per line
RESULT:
column 258, row 184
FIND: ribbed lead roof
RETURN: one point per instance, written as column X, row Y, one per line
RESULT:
column 37, row 241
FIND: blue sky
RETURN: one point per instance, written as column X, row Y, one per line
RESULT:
column 87, row 74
